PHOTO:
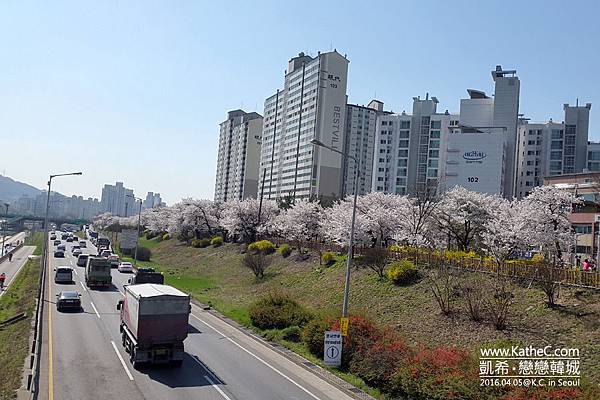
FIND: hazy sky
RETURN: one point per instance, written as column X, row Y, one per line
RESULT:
column 134, row 91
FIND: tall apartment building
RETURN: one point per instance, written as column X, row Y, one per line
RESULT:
column 551, row 148
column 409, row 150
column 238, row 156
column 117, row 200
column 359, row 142
column 506, row 115
column 152, row 200
column 311, row 105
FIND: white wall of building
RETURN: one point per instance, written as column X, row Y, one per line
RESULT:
column 475, row 161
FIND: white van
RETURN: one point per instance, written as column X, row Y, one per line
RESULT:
column 63, row 275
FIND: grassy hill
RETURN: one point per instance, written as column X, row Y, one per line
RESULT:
column 217, row 276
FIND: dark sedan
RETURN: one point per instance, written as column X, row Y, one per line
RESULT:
column 59, row 254
column 68, row 300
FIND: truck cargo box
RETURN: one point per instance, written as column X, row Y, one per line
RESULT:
column 155, row 314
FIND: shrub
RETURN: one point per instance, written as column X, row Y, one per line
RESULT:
column 277, row 311
column 499, row 301
column 216, row 241
column 378, row 363
column 312, row 335
column 291, row 334
column 376, row 259
column 473, row 291
column 166, row 236
column 257, row 263
column 200, row 243
column 439, row 373
column 150, row 235
column 285, row 250
column 441, row 283
column 328, row 258
column 143, row 254
column 262, row 247
column 362, row 333
column 402, row 272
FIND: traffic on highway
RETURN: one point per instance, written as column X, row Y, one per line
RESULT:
column 115, row 331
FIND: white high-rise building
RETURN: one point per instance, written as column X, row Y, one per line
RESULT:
column 593, row 156
column 312, row 105
column 237, row 160
column 359, row 142
column 551, row 148
column 410, row 150
column 118, row 200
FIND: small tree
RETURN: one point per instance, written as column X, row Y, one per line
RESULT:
column 499, row 301
column 473, row 291
column 549, row 278
column 257, row 263
column 376, row 259
column 441, row 283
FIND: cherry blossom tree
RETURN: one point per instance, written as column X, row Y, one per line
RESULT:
column 299, row 222
column 462, row 215
column 156, row 219
column 505, row 230
column 335, row 226
column 546, row 213
column 241, row 218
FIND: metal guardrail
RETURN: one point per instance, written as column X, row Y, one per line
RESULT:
column 33, row 378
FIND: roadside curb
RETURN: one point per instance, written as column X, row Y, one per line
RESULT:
column 297, row 359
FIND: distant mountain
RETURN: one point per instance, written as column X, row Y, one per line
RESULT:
column 11, row 190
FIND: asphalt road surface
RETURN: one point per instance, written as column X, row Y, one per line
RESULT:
column 82, row 355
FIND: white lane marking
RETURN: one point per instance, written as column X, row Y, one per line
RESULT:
column 122, row 361
column 258, row 358
column 94, row 307
column 218, row 389
column 75, row 272
column 83, row 286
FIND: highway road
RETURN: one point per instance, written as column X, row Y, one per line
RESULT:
column 82, row 356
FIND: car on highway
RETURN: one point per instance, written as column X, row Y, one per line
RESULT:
column 82, row 243
column 63, row 275
column 76, row 252
column 57, row 242
column 52, row 237
column 59, row 254
column 125, row 266
column 68, row 300
column 70, row 239
column 82, row 260
column 74, row 247
column 64, row 236
column 105, row 253
column 61, row 247
column 114, row 260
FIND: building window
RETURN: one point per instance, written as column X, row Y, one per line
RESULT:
column 584, row 229
column 434, row 144
column 403, row 143
column 434, row 153
column 404, row 124
column 434, row 134
column 403, row 134
column 531, row 143
column 383, row 122
column 403, row 162
column 556, row 134
column 436, row 124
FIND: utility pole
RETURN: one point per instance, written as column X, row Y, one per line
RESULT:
column 5, row 225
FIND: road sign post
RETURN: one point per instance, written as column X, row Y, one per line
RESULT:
column 344, row 322
column 332, row 350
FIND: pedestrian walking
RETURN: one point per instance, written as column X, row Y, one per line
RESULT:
column 586, row 265
column 9, row 257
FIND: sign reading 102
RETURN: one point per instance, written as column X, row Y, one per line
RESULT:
column 472, row 179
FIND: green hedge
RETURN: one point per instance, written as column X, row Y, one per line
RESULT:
column 328, row 258
column 216, row 241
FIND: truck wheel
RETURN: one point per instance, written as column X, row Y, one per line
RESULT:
column 124, row 340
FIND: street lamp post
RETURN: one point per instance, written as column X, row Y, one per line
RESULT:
column 4, row 225
column 45, row 242
column 137, row 239
column 318, row 143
